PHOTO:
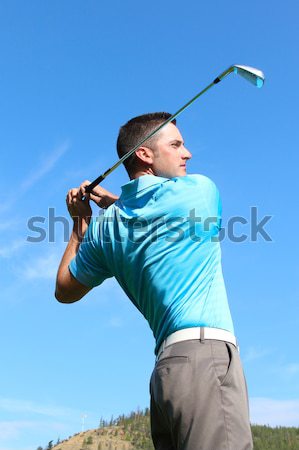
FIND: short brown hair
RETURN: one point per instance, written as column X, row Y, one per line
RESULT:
column 134, row 131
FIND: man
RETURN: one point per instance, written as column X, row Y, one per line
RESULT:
column 159, row 240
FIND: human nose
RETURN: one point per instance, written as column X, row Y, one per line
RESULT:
column 186, row 154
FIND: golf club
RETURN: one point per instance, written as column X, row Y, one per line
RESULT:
column 250, row 74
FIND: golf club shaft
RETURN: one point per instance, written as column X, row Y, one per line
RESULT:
column 98, row 180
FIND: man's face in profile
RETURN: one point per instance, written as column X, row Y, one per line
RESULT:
column 169, row 153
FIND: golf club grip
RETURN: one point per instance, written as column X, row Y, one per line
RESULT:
column 97, row 181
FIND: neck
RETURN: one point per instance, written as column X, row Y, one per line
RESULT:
column 140, row 173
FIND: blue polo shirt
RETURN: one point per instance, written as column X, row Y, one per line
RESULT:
column 159, row 240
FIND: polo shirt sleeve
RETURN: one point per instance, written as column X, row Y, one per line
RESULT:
column 211, row 197
column 214, row 202
column 89, row 266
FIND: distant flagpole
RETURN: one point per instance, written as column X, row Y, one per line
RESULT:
column 83, row 417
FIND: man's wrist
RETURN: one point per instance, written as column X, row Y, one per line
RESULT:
column 109, row 199
column 80, row 227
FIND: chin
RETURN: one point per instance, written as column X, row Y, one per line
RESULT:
column 183, row 172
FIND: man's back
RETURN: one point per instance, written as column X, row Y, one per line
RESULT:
column 160, row 242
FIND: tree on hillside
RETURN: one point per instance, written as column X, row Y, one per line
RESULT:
column 89, row 440
column 102, row 423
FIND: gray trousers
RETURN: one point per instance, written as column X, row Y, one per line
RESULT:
column 199, row 398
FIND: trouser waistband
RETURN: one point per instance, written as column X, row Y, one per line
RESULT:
column 200, row 333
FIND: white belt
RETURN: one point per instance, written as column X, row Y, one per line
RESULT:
column 200, row 333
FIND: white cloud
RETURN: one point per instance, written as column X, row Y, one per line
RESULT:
column 12, row 429
column 292, row 369
column 29, row 407
column 115, row 322
column 36, row 175
column 267, row 411
column 10, row 199
column 14, row 448
column 9, row 224
column 47, row 165
column 44, row 267
column 288, row 372
column 8, row 251
column 20, row 430
column 32, row 421
column 253, row 354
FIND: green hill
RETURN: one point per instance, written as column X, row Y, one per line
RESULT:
column 132, row 432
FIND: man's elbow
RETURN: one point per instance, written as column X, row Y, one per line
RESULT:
column 64, row 296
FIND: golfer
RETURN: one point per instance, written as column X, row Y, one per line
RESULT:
column 159, row 240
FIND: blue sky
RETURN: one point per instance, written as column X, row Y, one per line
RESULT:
column 71, row 73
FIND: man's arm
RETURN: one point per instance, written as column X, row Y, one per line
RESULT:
column 68, row 289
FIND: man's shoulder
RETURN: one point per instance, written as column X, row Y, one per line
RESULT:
column 196, row 180
column 187, row 191
column 199, row 178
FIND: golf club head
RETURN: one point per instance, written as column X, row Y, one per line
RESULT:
column 254, row 76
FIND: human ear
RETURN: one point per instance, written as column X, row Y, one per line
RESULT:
column 145, row 154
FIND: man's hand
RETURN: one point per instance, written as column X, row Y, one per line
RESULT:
column 79, row 210
column 78, row 205
column 99, row 195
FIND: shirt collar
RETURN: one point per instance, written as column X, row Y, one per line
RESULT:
column 141, row 183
